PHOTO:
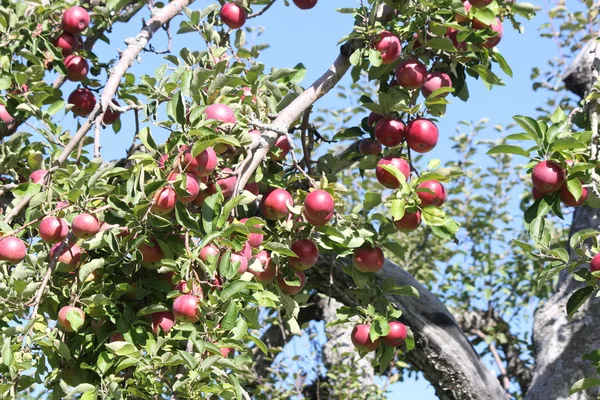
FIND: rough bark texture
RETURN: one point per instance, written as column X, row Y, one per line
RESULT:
column 558, row 342
column 442, row 352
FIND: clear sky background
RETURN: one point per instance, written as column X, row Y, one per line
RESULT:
column 311, row 37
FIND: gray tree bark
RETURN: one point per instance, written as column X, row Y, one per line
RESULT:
column 558, row 342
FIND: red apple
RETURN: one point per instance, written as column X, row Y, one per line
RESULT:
column 220, row 112
column 110, row 116
column 266, row 271
column 151, row 253
column 390, row 132
column 547, row 176
column 318, row 204
column 389, row 46
column 307, row 255
column 305, row 4
column 409, row 222
column 162, row 160
column 252, row 188
column 274, row 204
column 12, row 249
column 361, row 340
column 5, row 117
column 317, row 221
column 77, row 68
column 247, row 251
column 397, row 334
column 386, row 178
column 463, row 18
column 374, row 118
column 241, row 260
column 116, row 337
column 53, row 229
column 64, row 322
column 233, row 15
column 164, row 201
column 452, row 34
column 496, row 27
column 369, row 146
column 254, row 239
column 83, row 101
column 368, row 259
column 71, row 255
column 536, row 194
column 568, row 199
column 203, row 164
column 435, row 81
column 186, row 308
column 38, row 176
column 283, row 144
column 411, row 74
column 480, row 3
column 68, row 42
column 288, row 289
column 437, row 198
column 225, row 351
column 207, row 252
column 191, row 186
column 162, row 321
column 227, row 183
column 421, row 135
column 85, row 226
column 595, row 263
column 75, row 20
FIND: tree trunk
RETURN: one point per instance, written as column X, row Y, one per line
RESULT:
column 558, row 342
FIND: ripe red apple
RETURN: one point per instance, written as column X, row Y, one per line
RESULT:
column 242, row 262
column 291, row 290
column 274, row 204
column 452, row 34
column 318, row 204
column 374, row 118
column 12, row 249
column 421, row 135
column 435, row 81
column 75, row 20
column 233, row 15
column 547, row 176
column 110, row 116
column 116, row 337
column 53, row 229
column 369, row 146
column 411, row 74
column 568, row 199
column 252, row 188
column 5, row 117
column 162, row 161
column 164, row 201
column 283, row 144
column 62, row 317
column 595, row 263
column 191, row 186
column 225, row 351
column 409, row 222
column 480, row 3
column 397, row 334
column 368, row 259
column 389, row 131
column 68, row 42
column 307, row 252
column 38, row 176
column 83, row 101
column 266, row 271
column 498, row 28
column 77, row 68
column 151, row 253
column 389, row 46
column 437, row 198
column 361, row 340
column 203, row 164
column 305, row 4
column 162, row 321
column 536, row 194
column 247, row 251
column 220, row 112
column 386, row 178
column 186, row 308
column 207, row 252
column 70, row 256
column 317, row 221
column 85, row 226
column 463, row 18
column 254, row 239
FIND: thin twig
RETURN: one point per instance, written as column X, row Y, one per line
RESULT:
column 494, row 351
column 262, row 11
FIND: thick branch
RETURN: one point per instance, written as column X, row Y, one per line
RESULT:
column 442, row 351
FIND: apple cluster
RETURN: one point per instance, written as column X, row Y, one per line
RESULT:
column 549, row 177
column 361, row 338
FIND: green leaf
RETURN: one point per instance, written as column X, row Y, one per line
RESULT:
column 433, row 216
column 575, row 188
column 584, row 384
column 279, row 248
column 147, row 139
column 90, row 267
column 371, row 201
column 580, row 236
column 121, row 348
column 508, row 149
column 151, row 309
column 531, row 127
column 441, row 44
column 567, row 143
column 577, row 299
column 74, row 319
column 236, row 287
column 397, row 209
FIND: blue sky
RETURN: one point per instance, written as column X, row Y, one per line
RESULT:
column 311, row 37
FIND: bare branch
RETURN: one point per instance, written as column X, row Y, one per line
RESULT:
column 262, row 11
